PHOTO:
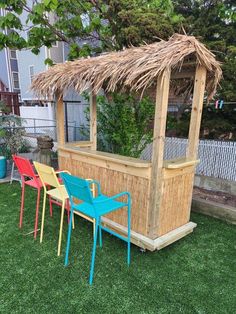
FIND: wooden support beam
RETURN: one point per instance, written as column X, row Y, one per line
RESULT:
column 60, row 121
column 195, row 121
column 93, row 121
column 183, row 75
column 162, row 94
column 196, row 114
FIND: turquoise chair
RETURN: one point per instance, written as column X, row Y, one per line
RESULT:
column 94, row 207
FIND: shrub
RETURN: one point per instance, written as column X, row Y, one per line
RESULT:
column 11, row 134
column 123, row 123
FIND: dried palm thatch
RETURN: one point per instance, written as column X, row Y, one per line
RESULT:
column 135, row 68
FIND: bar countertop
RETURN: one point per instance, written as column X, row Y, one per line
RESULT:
column 84, row 150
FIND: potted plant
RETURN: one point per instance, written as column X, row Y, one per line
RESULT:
column 11, row 137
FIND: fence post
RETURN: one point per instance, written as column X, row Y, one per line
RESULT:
column 34, row 126
column 66, row 122
column 74, row 131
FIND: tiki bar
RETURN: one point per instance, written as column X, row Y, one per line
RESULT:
column 161, row 189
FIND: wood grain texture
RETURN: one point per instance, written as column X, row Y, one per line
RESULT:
column 113, row 182
column 60, row 121
column 175, row 201
column 196, row 113
column 93, row 120
column 162, row 94
column 175, row 197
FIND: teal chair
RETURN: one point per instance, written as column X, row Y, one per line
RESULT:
column 94, row 207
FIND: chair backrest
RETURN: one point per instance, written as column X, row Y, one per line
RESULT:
column 24, row 166
column 77, row 188
column 47, row 175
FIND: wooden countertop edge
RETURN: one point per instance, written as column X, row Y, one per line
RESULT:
column 180, row 163
column 128, row 161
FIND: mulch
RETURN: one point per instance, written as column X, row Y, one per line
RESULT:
column 215, row 196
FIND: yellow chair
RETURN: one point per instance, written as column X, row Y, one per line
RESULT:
column 56, row 191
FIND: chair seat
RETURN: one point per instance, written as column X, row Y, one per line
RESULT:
column 58, row 193
column 35, row 183
column 101, row 208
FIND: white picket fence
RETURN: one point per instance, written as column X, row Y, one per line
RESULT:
column 217, row 158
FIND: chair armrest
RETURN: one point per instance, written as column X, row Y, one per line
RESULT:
column 114, row 197
column 60, row 171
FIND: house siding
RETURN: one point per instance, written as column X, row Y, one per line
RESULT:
column 3, row 69
column 25, row 59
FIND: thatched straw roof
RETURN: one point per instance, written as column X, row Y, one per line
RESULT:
column 135, row 68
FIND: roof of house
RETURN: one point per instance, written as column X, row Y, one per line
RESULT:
column 135, row 68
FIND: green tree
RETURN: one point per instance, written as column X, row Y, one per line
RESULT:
column 214, row 22
column 112, row 23
column 216, row 123
column 124, row 123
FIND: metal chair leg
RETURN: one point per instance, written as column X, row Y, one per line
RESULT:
column 37, row 214
column 61, row 227
column 43, row 216
column 50, row 205
column 100, row 232
column 73, row 221
column 129, row 226
column 93, row 252
column 22, row 204
column 94, row 226
column 68, row 238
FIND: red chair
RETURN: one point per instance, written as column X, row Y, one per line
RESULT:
column 28, row 177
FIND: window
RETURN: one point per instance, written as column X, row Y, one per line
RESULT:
column 15, row 79
column 31, row 72
column 13, row 54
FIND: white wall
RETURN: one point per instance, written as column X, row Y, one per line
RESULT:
column 29, row 113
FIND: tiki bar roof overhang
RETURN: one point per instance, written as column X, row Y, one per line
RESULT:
column 161, row 189
column 135, row 68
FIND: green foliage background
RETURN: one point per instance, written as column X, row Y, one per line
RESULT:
column 216, row 123
column 214, row 23
column 114, row 24
column 124, row 123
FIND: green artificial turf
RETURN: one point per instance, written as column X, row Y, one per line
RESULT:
column 194, row 275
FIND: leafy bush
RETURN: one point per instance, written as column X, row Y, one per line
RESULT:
column 11, row 134
column 215, row 124
column 124, row 124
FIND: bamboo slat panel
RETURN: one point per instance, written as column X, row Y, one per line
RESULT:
column 175, row 200
column 113, row 182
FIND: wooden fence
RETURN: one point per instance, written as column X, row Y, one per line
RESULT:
column 217, row 158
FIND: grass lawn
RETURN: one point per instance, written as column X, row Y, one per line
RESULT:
column 194, row 275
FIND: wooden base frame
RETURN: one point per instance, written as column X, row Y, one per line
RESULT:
column 152, row 244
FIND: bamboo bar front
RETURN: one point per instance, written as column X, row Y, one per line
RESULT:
column 117, row 173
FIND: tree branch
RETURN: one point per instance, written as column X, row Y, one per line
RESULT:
column 50, row 26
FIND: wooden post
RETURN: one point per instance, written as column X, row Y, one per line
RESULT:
column 93, row 121
column 60, row 122
column 196, row 114
column 162, row 94
column 195, row 121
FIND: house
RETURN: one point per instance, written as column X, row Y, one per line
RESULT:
column 9, row 78
column 17, row 71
